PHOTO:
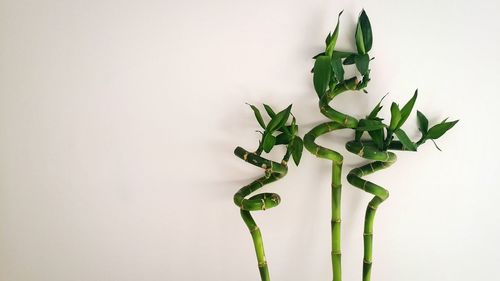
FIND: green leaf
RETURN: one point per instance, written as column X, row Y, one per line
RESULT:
column 297, row 147
column 362, row 63
column 341, row 54
column 258, row 116
column 364, row 82
column 395, row 116
column 407, row 108
column 283, row 138
column 377, row 138
column 350, row 59
column 405, row 140
column 269, row 110
column 376, row 109
column 438, row 130
column 322, row 73
column 338, row 69
column 268, row 142
column 423, row 123
column 363, row 35
column 331, row 40
column 320, row 54
column 278, row 120
column 369, row 125
column 288, row 129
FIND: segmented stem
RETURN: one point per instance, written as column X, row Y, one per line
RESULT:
column 382, row 160
column 273, row 172
column 340, row 121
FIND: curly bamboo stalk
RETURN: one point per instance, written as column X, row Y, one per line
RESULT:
column 382, row 160
column 340, row 121
column 273, row 172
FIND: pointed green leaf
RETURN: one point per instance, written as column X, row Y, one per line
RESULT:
column 369, row 125
column 268, row 142
column 338, row 69
column 350, row 59
column 322, row 73
column 438, row 130
column 422, row 122
column 362, row 63
column 405, row 140
column 258, row 116
column 360, row 44
column 287, row 129
column 407, row 108
column 341, row 54
column 395, row 116
column 364, row 82
column 297, row 147
column 320, row 54
column 363, row 35
column 331, row 40
column 278, row 120
column 269, row 110
column 376, row 109
column 283, row 138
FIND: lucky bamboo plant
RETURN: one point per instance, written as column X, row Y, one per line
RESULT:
column 329, row 82
column 276, row 132
column 377, row 149
column 328, row 78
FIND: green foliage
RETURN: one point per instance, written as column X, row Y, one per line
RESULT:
column 258, row 116
column 328, row 70
column 269, row 110
column 407, row 108
column 362, row 62
column 375, row 127
column 405, row 140
column 364, row 38
column 331, row 39
column 322, row 73
column 287, row 133
column 297, row 146
column 395, row 116
column 338, row 69
column 423, row 123
column 440, row 129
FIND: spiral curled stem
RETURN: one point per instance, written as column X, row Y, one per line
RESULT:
column 340, row 121
column 382, row 160
column 273, row 172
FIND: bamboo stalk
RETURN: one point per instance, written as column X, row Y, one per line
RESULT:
column 382, row 160
column 273, row 172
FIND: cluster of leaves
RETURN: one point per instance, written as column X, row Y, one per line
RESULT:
column 435, row 131
column 329, row 65
column 382, row 135
column 276, row 132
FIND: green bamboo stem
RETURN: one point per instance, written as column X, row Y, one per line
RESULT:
column 382, row 160
column 273, row 172
column 339, row 121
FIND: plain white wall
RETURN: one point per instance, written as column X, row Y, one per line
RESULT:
column 118, row 120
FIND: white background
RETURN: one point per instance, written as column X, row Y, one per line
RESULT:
column 118, row 120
